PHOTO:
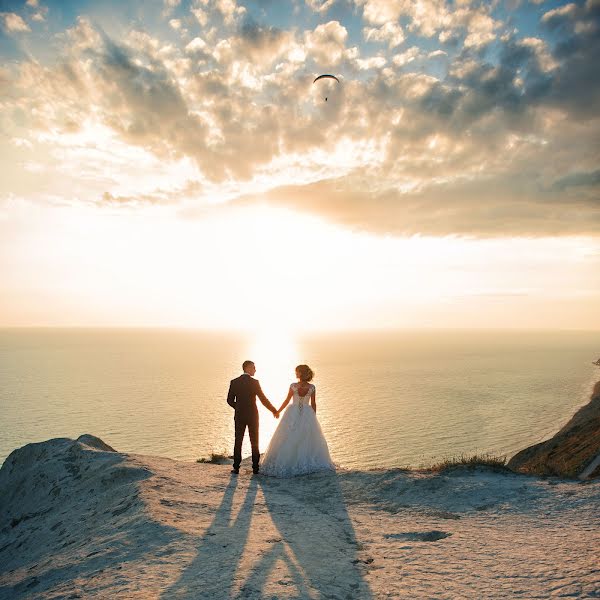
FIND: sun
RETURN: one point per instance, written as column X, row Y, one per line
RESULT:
column 275, row 354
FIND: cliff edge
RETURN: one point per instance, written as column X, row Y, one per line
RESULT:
column 573, row 452
column 80, row 520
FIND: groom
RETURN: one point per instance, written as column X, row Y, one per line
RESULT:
column 242, row 397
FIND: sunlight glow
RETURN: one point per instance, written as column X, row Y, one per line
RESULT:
column 278, row 272
column 275, row 355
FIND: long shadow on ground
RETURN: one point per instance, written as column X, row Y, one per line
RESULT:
column 204, row 577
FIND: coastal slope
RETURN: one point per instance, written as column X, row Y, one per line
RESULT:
column 79, row 520
column 572, row 452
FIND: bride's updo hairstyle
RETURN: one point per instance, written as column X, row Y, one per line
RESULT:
column 304, row 373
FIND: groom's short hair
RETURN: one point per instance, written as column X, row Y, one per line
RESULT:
column 247, row 363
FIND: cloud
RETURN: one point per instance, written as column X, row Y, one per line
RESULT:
column 320, row 6
column 261, row 44
column 159, row 196
column 431, row 17
column 390, row 33
column 373, row 62
column 13, row 23
column 407, row 56
column 468, row 208
column 201, row 16
column 559, row 15
column 504, row 128
column 578, row 180
column 481, row 31
column 228, row 10
column 196, row 45
column 41, row 11
column 379, row 12
column 564, row 76
column 169, row 6
column 144, row 103
column 326, row 43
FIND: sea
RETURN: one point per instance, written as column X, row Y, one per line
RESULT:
column 384, row 398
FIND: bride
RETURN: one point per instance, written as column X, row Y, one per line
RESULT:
column 298, row 445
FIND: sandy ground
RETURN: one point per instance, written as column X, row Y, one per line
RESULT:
column 78, row 522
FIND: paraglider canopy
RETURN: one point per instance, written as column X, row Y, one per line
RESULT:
column 326, row 76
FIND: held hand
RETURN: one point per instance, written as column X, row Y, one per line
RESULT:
column 276, row 414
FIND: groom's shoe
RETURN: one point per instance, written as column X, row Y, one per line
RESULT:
column 235, row 471
column 255, row 470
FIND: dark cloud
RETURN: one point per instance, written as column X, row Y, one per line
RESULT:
column 260, row 36
column 441, row 100
column 211, row 84
column 522, row 77
column 144, row 103
column 576, row 85
column 488, row 207
column 576, row 180
column 513, row 85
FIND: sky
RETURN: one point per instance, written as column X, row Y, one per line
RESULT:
column 171, row 163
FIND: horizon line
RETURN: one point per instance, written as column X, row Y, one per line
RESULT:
column 297, row 332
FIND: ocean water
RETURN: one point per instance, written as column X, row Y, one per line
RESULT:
column 384, row 399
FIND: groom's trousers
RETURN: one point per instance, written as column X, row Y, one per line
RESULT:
column 241, row 422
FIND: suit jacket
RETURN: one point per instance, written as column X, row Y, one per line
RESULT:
column 243, row 391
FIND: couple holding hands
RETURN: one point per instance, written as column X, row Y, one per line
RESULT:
column 298, row 446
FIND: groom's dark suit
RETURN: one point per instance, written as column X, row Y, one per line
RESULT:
column 242, row 397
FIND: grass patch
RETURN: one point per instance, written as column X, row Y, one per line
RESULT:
column 488, row 461
column 216, row 458
column 557, row 466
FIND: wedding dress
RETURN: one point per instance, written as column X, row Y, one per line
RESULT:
column 298, row 445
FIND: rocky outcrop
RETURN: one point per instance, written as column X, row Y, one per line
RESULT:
column 573, row 452
column 63, row 501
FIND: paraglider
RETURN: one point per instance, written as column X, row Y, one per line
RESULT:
column 326, row 76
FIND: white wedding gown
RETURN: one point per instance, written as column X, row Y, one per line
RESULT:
column 298, row 445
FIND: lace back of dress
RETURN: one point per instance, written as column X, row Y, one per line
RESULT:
column 301, row 400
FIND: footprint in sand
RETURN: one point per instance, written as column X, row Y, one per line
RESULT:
column 419, row 536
